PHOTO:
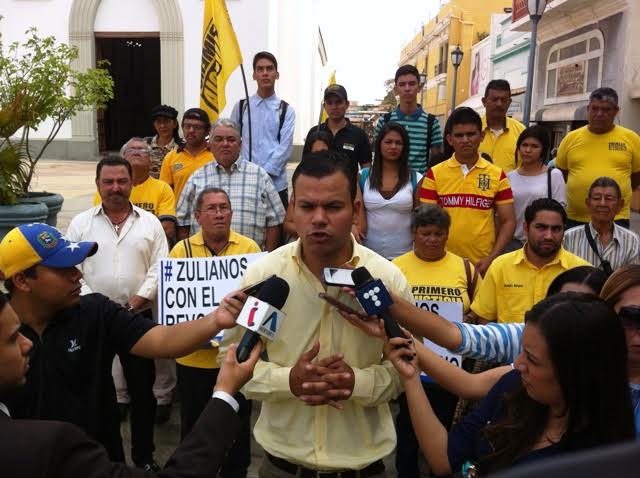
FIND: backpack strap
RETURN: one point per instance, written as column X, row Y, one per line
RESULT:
column 283, row 112
column 241, row 106
column 430, row 120
column 549, row 193
column 414, row 180
column 187, row 247
column 386, row 118
column 364, row 174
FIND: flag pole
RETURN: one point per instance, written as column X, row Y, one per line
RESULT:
column 246, row 95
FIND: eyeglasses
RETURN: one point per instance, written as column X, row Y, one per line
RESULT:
column 136, row 150
column 196, row 127
column 222, row 139
column 630, row 318
column 213, row 209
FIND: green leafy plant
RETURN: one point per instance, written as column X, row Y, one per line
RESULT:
column 38, row 83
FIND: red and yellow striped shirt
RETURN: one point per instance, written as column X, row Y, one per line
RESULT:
column 470, row 201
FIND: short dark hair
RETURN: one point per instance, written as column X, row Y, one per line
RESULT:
column 500, row 85
column 31, row 273
column 544, row 204
column 587, row 275
column 537, row 132
column 604, row 94
column 464, row 115
column 407, row 70
column 264, row 55
column 325, row 163
column 430, row 215
column 112, row 160
column 605, row 182
column 211, row 190
column 316, row 135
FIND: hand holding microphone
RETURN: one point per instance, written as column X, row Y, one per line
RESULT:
column 261, row 315
column 376, row 300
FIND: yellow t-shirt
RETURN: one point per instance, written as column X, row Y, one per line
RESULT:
column 179, row 165
column 512, row 285
column 502, row 149
column 238, row 244
column 444, row 280
column 153, row 196
column 470, row 201
column 587, row 156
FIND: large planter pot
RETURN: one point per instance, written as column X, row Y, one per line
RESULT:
column 21, row 213
column 53, row 202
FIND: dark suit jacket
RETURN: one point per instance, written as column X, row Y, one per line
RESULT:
column 38, row 448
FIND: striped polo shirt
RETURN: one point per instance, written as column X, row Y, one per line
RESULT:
column 416, row 126
column 470, row 200
column 623, row 249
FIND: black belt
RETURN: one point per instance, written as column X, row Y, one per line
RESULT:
column 374, row 468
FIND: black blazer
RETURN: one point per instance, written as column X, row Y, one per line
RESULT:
column 39, row 448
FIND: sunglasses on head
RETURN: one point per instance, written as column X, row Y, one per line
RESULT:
column 630, row 317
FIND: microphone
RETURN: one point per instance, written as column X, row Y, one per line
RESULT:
column 375, row 300
column 261, row 315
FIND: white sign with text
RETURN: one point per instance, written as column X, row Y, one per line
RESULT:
column 452, row 311
column 189, row 289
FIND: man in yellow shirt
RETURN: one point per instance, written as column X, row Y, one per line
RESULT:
column 601, row 148
column 472, row 191
column 199, row 370
column 500, row 132
column 325, row 387
column 519, row 279
column 181, row 163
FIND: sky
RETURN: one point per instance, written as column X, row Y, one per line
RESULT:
column 363, row 39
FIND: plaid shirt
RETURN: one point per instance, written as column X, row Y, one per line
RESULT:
column 254, row 199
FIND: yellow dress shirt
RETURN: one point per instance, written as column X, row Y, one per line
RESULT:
column 321, row 437
column 153, row 196
column 502, row 149
column 238, row 244
column 512, row 285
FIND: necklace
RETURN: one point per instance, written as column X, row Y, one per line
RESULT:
column 116, row 224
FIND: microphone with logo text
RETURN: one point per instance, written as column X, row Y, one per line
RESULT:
column 261, row 315
column 376, row 300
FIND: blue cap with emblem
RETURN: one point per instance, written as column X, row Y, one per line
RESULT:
column 37, row 243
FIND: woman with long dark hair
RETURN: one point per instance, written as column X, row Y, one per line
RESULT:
column 389, row 193
column 551, row 403
column 532, row 179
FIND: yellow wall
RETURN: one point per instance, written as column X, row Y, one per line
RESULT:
column 462, row 20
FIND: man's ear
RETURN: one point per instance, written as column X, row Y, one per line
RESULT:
column 20, row 282
column 357, row 204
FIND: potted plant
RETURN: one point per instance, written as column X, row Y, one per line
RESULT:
column 38, row 83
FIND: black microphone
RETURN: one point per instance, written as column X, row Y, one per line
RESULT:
column 375, row 300
column 274, row 292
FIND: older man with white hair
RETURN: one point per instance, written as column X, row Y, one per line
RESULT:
column 257, row 208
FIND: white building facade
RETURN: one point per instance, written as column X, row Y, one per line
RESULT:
column 287, row 28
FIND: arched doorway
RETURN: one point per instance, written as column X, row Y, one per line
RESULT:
column 81, row 35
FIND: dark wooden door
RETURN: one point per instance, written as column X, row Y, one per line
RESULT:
column 134, row 64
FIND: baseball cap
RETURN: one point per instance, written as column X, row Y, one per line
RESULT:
column 337, row 90
column 165, row 111
column 37, row 243
column 197, row 114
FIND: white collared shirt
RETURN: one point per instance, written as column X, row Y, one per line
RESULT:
column 126, row 264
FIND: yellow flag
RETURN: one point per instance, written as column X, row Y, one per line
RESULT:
column 332, row 81
column 220, row 56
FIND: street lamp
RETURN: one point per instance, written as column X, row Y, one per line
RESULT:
column 423, row 81
column 536, row 9
column 456, row 59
